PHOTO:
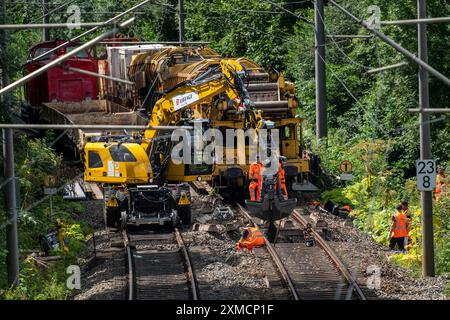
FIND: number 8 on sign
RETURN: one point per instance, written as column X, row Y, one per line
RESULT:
column 426, row 175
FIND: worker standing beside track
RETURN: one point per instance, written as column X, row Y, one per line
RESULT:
column 399, row 229
column 441, row 184
column 254, row 175
column 282, row 176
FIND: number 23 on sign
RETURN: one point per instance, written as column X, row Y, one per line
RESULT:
column 426, row 175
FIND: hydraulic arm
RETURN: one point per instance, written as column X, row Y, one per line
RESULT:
column 128, row 160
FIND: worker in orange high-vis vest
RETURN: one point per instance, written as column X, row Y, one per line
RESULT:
column 399, row 229
column 252, row 237
column 254, row 176
column 282, row 177
column 441, row 184
column 407, row 212
column 253, row 189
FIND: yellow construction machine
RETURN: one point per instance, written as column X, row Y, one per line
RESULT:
column 154, row 72
column 136, row 169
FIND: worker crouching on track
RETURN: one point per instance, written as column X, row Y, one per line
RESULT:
column 399, row 229
column 252, row 237
column 407, row 212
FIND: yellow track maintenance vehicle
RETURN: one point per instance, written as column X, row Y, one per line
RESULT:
column 270, row 93
column 275, row 98
column 141, row 183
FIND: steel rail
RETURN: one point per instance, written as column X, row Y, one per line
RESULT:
column 131, row 279
column 273, row 254
column 191, row 274
column 333, row 256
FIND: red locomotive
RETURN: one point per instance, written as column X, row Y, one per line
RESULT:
column 58, row 84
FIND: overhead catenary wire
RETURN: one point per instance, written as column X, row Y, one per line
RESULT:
column 290, row 12
column 65, row 4
column 105, row 23
column 340, row 49
column 341, row 81
column 333, row 73
column 414, row 22
column 395, row 45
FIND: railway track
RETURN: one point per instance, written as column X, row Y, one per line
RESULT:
column 159, row 267
column 309, row 273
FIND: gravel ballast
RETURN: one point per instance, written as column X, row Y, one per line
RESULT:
column 103, row 273
column 362, row 254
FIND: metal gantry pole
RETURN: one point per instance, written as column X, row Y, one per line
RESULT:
column 414, row 22
column 3, row 46
column 181, row 21
column 392, row 66
column 12, row 243
column 97, row 75
column 426, row 197
column 45, row 20
column 47, row 26
column 321, row 98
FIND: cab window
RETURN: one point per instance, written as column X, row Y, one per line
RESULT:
column 40, row 51
column 287, row 133
column 94, row 160
column 82, row 54
column 121, row 154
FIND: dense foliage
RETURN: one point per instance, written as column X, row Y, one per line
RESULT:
column 35, row 162
column 368, row 119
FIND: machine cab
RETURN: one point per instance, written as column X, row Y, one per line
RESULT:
column 116, row 163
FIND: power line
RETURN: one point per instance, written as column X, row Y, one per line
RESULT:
column 340, row 49
column 332, row 71
column 395, row 45
column 290, row 12
column 296, row 2
column 53, row 10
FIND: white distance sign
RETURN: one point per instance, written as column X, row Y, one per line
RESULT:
column 426, row 175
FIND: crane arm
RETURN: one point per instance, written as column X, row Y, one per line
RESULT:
column 228, row 80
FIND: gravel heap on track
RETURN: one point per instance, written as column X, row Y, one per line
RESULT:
column 356, row 247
